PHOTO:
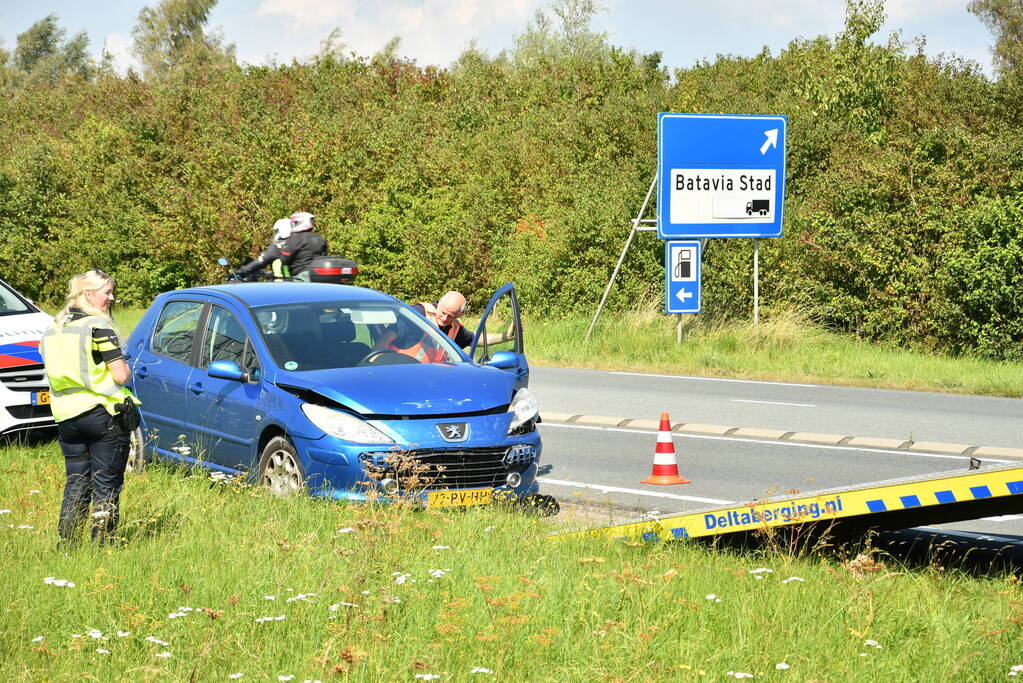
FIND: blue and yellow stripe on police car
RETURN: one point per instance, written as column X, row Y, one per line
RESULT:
column 953, row 496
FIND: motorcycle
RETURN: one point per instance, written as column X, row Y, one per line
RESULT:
column 331, row 269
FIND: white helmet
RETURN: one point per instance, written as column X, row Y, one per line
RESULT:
column 282, row 229
column 303, row 220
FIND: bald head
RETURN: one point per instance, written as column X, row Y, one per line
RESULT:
column 449, row 307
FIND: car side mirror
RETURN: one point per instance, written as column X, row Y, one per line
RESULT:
column 505, row 360
column 227, row 369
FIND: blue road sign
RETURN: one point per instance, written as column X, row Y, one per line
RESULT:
column 720, row 175
column 682, row 276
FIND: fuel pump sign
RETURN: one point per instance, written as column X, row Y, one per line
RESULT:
column 682, row 276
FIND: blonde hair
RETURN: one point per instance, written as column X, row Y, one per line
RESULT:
column 80, row 284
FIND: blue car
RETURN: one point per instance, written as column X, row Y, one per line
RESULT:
column 291, row 384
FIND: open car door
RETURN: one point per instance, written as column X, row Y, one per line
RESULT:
column 498, row 339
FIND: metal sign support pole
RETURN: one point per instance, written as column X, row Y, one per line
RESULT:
column 632, row 233
column 756, row 281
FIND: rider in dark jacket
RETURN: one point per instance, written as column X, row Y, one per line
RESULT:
column 295, row 245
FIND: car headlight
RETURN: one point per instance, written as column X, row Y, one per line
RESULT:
column 524, row 407
column 344, row 426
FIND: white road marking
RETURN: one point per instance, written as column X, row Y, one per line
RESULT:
column 792, row 444
column 711, row 379
column 1002, row 518
column 773, row 403
column 637, row 492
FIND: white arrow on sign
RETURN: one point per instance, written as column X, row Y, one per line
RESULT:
column 683, row 294
column 771, row 141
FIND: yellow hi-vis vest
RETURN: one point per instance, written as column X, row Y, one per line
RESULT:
column 77, row 382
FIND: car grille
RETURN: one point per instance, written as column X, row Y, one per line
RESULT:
column 457, row 468
column 24, row 378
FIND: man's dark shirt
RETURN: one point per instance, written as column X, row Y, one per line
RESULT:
column 408, row 334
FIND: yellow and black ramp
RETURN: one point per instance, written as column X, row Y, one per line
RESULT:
column 893, row 504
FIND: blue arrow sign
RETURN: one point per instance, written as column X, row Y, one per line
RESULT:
column 720, row 175
column 682, row 276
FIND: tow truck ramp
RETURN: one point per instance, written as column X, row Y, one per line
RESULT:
column 849, row 510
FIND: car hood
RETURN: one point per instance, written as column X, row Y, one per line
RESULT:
column 414, row 390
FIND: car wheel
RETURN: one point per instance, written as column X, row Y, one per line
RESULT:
column 138, row 458
column 279, row 468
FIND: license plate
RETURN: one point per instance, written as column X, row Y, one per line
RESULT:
column 40, row 398
column 443, row 499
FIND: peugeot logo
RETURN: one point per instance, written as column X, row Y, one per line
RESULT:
column 454, row 431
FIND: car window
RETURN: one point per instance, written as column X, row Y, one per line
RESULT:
column 11, row 303
column 345, row 334
column 225, row 339
column 175, row 330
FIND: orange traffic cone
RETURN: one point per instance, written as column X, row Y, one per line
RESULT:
column 665, row 468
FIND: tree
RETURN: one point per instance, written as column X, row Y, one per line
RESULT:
column 172, row 37
column 1005, row 20
column 41, row 55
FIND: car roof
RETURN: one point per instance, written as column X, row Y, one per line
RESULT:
column 265, row 293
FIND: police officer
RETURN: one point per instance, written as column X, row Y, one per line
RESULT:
column 299, row 247
column 95, row 412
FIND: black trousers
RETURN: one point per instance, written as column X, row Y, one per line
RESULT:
column 95, row 449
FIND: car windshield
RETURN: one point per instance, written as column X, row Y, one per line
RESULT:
column 11, row 303
column 345, row 334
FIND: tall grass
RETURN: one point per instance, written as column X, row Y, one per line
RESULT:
column 214, row 579
column 785, row 347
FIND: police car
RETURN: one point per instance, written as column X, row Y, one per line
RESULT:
column 24, row 392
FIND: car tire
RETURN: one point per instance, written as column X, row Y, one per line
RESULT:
column 138, row 456
column 280, row 469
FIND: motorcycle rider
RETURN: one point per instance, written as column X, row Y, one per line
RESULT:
column 272, row 254
column 300, row 246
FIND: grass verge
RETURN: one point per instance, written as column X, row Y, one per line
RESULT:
column 213, row 580
column 785, row 348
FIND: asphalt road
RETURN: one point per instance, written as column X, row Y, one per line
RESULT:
column 918, row 416
column 604, row 465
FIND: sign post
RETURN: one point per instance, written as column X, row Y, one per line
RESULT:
column 682, row 276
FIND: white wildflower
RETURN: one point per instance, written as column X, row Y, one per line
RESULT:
column 25, row 526
column 236, row 675
column 761, row 570
column 94, row 633
column 793, row 578
column 346, row 530
column 175, row 615
column 99, row 514
column 441, row 547
column 157, row 641
column 5, row 512
column 781, row 666
column 37, row 639
column 34, row 491
column 301, row 596
column 391, row 600
column 402, row 578
column 480, row 670
column 712, row 597
column 489, row 528
column 872, row 643
column 269, row 597
column 165, row 655
column 288, row 677
column 123, row 634
column 102, row 651
column 427, row 677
